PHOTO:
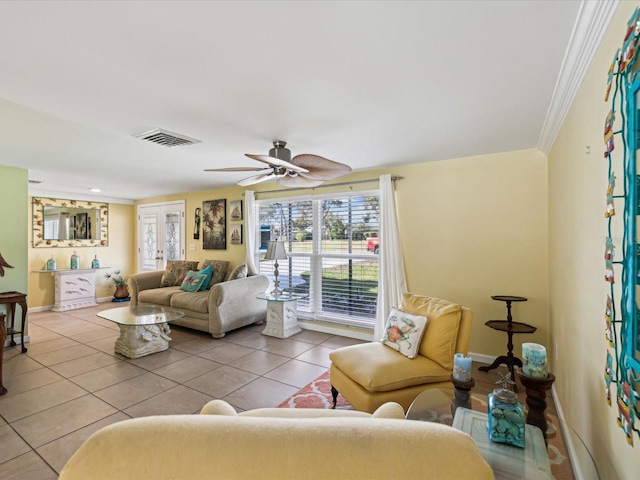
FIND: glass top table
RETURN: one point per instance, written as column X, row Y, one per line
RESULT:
column 283, row 297
column 144, row 329
column 566, row 456
column 141, row 315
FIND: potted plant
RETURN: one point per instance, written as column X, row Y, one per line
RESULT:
column 122, row 289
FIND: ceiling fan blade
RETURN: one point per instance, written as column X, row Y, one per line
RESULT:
column 298, row 182
column 265, row 177
column 237, row 169
column 277, row 162
column 320, row 168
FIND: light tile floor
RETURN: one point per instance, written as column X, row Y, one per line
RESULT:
column 70, row 383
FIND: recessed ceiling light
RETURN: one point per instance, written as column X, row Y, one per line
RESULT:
column 95, row 189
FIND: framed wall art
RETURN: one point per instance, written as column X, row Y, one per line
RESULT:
column 235, row 209
column 214, row 224
column 236, row 234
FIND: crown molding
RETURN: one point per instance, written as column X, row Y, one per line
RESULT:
column 591, row 24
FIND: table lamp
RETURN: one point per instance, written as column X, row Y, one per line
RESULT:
column 275, row 251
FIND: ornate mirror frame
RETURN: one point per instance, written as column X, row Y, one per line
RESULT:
column 38, row 204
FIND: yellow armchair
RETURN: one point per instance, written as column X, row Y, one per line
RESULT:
column 370, row 374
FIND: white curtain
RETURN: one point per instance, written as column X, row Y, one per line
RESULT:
column 250, row 223
column 391, row 282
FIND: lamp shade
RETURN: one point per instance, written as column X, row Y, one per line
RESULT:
column 275, row 251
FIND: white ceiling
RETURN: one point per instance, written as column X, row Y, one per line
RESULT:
column 369, row 84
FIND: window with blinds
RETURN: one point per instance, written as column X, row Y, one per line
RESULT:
column 332, row 249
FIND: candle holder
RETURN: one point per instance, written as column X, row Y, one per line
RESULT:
column 536, row 391
column 461, row 394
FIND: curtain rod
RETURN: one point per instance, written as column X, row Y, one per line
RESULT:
column 369, row 180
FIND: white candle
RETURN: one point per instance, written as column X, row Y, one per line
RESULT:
column 534, row 360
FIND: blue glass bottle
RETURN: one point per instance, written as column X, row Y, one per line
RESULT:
column 95, row 263
column 506, row 418
column 75, row 261
column 52, row 264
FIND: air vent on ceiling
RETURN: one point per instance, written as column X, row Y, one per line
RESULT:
column 167, row 138
column 35, row 181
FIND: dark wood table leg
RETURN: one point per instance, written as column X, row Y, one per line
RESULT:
column 23, row 305
column 536, row 391
column 3, row 338
column 12, row 324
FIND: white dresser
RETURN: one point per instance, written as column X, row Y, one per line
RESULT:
column 74, row 288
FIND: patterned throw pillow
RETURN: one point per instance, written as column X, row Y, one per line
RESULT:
column 403, row 332
column 193, row 281
column 219, row 270
column 239, row 272
column 208, row 271
column 176, row 271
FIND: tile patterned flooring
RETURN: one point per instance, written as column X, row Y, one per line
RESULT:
column 70, row 383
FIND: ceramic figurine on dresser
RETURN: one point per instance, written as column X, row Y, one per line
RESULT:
column 506, row 418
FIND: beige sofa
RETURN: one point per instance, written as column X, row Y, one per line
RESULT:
column 277, row 443
column 224, row 307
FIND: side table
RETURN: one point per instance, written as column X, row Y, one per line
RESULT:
column 14, row 298
column 282, row 314
column 510, row 327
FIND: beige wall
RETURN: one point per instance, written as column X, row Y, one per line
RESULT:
column 577, row 228
column 470, row 228
column 119, row 255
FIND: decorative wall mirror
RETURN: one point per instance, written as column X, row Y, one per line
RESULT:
column 69, row 223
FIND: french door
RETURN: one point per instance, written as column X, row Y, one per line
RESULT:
column 161, row 234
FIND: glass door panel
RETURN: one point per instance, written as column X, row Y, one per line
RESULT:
column 161, row 235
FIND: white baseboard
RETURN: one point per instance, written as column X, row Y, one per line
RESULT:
column 349, row 332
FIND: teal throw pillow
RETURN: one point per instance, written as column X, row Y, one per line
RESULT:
column 208, row 271
column 193, row 281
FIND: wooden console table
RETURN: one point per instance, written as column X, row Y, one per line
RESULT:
column 14, row 298
column 11, row 298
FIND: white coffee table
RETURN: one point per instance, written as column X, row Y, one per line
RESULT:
column 143, row 329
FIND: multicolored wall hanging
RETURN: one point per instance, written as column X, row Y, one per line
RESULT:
column 622, row 328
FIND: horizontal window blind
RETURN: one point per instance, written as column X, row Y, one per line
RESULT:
column 332, row 247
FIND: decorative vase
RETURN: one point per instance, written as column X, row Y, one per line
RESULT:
column 75, row 261
column 95, row 263
column 122, row 291
column 505, row 418
column 52, row 264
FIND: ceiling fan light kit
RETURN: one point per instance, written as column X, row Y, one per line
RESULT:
column 305, row 170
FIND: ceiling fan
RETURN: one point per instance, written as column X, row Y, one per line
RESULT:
column 305, row 170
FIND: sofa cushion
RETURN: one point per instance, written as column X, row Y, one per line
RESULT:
column 158, row 296
column 239, row 272
column 176, row 271
column 196, row 301
column 193, row 281
column 443, row 321
column 403, row 332
column 219, row 267
column 208, row 271
column 380, row 369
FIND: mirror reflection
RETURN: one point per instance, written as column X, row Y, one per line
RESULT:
column 69, row 223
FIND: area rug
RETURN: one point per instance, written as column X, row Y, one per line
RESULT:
column 317, row 394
